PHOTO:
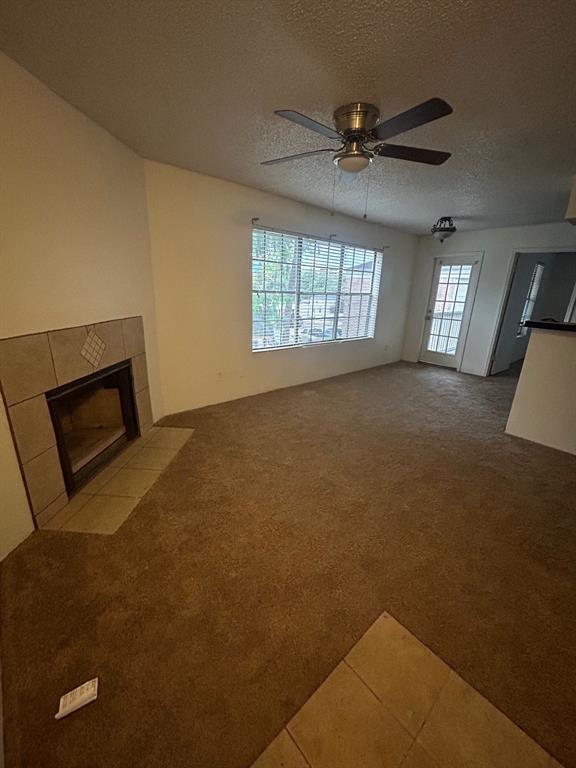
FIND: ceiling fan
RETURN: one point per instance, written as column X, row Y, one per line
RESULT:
column 362, row 137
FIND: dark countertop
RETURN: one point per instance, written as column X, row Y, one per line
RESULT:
column 550, row 325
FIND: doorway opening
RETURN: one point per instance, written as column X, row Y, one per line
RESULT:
column 542, row 287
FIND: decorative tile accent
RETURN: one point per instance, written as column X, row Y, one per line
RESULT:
column 111, row 334
column 66, row 346
column 26, row 367
column 93, row 348
column 32, row 427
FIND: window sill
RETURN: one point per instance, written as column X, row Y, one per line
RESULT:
column 313, row 344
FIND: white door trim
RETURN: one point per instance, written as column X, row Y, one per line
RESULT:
column 473, row 259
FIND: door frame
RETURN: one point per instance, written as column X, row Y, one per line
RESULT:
column 516, row 253
column 476, row 258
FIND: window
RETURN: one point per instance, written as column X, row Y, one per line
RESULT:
column 310, row 291
column 535, row 282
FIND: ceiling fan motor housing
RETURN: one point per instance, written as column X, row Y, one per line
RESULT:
column 356, row 119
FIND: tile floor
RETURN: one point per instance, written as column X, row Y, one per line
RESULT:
column 109, row 498
column 392, row 703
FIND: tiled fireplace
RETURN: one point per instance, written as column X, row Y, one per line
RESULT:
column 74, row 397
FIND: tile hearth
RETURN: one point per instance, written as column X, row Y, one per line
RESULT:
column 110, row 497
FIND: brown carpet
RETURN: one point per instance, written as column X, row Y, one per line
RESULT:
column 284, row 527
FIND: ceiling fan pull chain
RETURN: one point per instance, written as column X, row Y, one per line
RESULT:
column 333, row 191
column 367, row 192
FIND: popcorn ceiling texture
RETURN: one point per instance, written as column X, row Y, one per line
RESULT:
column 195, row 85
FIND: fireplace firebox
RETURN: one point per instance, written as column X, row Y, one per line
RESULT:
column 93, row 418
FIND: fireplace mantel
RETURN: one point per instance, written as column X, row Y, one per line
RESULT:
column 32, row 365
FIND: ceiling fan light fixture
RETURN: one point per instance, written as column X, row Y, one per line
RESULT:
column 443, row 229
column 353, row 163
column 353, row 158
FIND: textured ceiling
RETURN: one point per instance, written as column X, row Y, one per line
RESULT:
column 195, row 84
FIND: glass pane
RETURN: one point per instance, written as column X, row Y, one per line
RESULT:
column 461, row 292
column 257, row 275
column 333, row 279
column 273, row 276
column 320, row 278
column 288, row 276
column 451, row 345
column 319, row 306
column 455, row 328
column 432, row 343
column 454, row 274
column 445, row 327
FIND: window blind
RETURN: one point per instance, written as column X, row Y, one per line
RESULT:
column 530, row 303
column 307, row 290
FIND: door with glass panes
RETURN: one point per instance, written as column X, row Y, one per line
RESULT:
column 450, row 305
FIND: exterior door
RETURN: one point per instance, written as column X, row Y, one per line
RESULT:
column 452, row 294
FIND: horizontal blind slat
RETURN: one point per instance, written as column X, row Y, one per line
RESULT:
column 308, row 290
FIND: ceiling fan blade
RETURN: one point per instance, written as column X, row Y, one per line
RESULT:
column 307, row 122
column 297, row 157
column 415, row 154
column 424, row 113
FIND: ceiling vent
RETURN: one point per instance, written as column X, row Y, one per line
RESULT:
column 571, row 210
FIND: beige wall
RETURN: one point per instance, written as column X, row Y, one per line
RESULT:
column 74, row 235
column 200, row 234
column 498, row 247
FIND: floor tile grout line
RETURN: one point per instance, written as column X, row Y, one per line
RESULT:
column 460, row 677
column 298, row 747
column 384, row 705
column 99, row 493
column 435, row 702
